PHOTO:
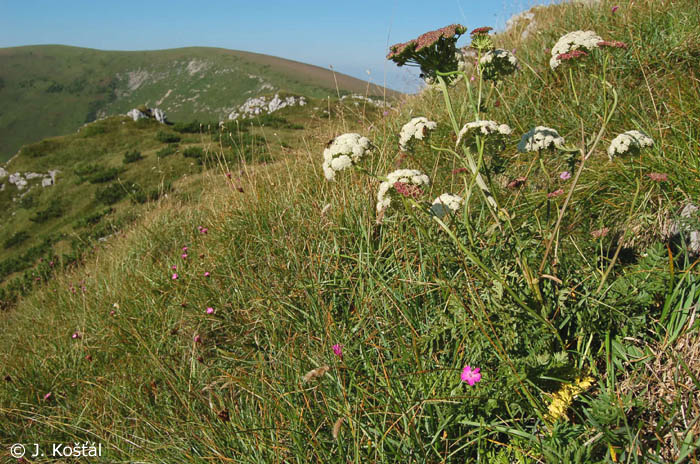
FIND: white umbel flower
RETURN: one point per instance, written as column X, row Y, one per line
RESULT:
column 446, row 204
column 540, row 138
column 629, row 141
column 482, row 128
column 344, row 151
column 416, row 128
column 577, row 40
column 498, row 62
column 410, row 177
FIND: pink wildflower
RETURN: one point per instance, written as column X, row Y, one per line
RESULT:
column 407, row 190
column 338, row 350
column 658, row 176
column 210, row 310
column 471, row 376
column 183, row 256
column 173, row 267
column 566, row 175
column 175, row 276
column 228, row 174
column 515, row 183
column 472, row 78
column 615, row 8
column 612, row 43
column 600, row 232
column 47, row 396
column 481, row 30
column 459, row 170
column 184, row 249
column 207, row 274
column 76, row 335
column 555, row 193
column 112, row 313
column 572, row 55
column 197, row 339
column 204, row 230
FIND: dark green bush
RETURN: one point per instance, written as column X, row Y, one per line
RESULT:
column 132, row 156
column 42, row 148
column 166, row 151
column 54, row 210
column 193, row 152
column 16, row 239
column 194, row 127
column 110, row 194
column 103, row 175
column 92, row 219
column 167, row 137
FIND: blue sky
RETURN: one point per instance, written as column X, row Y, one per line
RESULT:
column 352, row 37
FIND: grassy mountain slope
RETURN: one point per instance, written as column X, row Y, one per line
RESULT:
column 101, row 177
column 588, row 348
column 51, row 90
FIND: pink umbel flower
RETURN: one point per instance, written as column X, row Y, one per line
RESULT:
column 407, row 190
column 566, row 175
column 615, row 8
column 612, row 43
column 572, row 55
column 184, row 256
column 210, row 310
column 555, row 193
column 658, row 176
column 207, row 274
column 175, row 276
column 471, row 376
column 338, row 350
column 184, row 249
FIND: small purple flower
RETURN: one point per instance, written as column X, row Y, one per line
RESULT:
column 385, row 113
column 338, row 350
column 173, row 267
column 76, row 335
column 210, row 310
column 197, row 339
column 207, row 274
column 175, row 276
column 566, row 175
column 183, row 256
column 472, row 78
column 204, row 231
column 47, row 396
column 615, row 8
column 471, row 376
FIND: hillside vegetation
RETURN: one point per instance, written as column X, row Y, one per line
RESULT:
column 50, row 90
column 551, row 318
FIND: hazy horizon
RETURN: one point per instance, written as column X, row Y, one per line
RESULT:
column 346, row 37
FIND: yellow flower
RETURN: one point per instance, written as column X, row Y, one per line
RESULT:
column 561, row 400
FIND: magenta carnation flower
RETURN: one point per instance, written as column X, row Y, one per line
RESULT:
column 338, row 350
column 471, row 376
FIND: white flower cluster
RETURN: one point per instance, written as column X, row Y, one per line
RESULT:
column 446, row 203
column 416, row 128
column 540, row 138
column 466, row 57
column 412, row 177
column 343, row 152
column 629, row 141
column 498, row 62
column 576, row 40
column 482, row 128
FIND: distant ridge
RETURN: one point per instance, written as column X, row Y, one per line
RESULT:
column 48, row 90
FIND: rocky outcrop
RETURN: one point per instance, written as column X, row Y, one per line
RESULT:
column 148, row 113
column 265, row 105
column 21, row 180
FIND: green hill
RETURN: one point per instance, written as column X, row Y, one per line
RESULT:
column 52, row 90
column 550, row 316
